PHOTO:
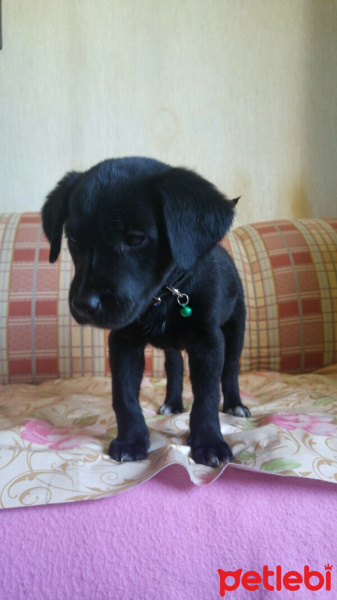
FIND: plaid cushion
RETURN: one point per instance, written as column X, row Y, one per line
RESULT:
column 288, row 269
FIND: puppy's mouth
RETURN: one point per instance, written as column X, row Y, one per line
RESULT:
column 92, row 310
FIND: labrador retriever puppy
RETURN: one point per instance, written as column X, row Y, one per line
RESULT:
column 144, row 237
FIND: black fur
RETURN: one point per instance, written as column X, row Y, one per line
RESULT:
column 135, row 225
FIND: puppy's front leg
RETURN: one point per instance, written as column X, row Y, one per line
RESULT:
column 206, row 358
column 127, row 366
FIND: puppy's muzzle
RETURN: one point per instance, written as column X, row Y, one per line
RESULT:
column 86, row 306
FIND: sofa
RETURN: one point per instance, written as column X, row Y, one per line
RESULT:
column 56, row 423
column 289, row 278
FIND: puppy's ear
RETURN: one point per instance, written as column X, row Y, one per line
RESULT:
column 55, row 212
column 196, row 215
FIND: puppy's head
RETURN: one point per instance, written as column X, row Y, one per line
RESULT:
column 130, row 223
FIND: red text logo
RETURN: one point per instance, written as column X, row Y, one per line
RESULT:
column 275, row 580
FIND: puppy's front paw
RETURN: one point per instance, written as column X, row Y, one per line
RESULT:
column 238, row 411
column 211, row 453
column 126, row 451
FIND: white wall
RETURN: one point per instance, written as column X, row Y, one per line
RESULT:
column 244, row 91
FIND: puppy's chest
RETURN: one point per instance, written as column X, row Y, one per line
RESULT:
column 166, row 329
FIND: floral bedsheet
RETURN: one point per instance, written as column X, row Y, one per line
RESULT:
column 54, row 436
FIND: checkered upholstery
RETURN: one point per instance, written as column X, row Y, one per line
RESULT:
column 288, row 270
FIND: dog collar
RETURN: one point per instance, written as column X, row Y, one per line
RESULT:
column 173, row 289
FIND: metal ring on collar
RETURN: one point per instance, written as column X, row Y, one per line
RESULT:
column 182, row 302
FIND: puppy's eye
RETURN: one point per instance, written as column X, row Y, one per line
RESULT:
column 72, row 240
column 135, row 239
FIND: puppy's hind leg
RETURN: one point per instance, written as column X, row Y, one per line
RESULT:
column 174, row 368
column 233, row 332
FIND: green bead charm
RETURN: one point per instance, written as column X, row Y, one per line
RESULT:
column 186, row 311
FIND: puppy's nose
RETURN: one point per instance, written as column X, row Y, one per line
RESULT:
column 87, row 304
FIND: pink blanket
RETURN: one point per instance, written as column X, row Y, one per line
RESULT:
column 166, row 540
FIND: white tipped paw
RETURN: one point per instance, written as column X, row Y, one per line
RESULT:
column 239, row 411
column 167, row 409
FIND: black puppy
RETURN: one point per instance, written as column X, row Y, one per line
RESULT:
column 143, row 237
